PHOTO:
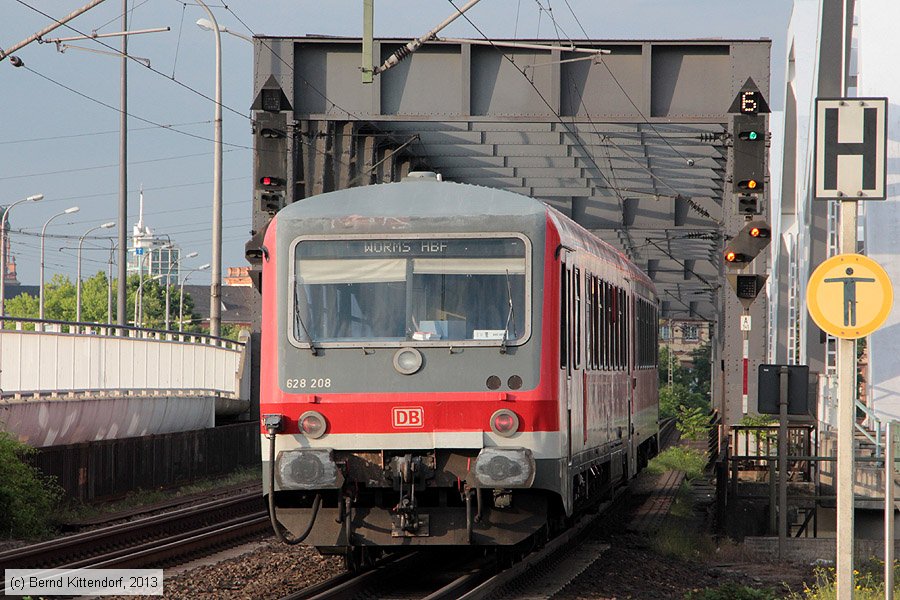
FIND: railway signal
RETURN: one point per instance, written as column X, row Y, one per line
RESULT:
column 271, row 164
column 747, row 244
column 749, row 169
column 746, row 287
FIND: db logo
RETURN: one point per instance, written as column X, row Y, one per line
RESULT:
column 409, row 416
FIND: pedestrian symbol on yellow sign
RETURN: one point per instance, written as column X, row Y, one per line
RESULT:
column 864, row 302
column 850, row 294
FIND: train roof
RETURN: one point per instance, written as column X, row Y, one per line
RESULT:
column 394, row 206
column 415, row 197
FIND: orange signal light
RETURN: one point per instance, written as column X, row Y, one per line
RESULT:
column 754, row 232
column 730, row 256
column 752, row 184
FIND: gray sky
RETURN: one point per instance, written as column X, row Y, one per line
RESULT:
column 64, row 143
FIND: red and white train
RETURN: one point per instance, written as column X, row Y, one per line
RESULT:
column 447, row 364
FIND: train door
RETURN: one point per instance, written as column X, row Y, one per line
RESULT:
column 630, row 345
column 571, row 384
column 576, row 353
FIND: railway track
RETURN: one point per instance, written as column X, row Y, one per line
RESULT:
column 545, row 571
column 149, row 541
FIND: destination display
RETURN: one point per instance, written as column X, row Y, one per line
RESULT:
column 412, row 248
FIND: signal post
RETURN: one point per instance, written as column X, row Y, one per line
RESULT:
column 747, row 235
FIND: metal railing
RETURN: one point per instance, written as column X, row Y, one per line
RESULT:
column 103, row 329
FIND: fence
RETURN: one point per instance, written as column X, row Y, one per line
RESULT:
column 94, row 471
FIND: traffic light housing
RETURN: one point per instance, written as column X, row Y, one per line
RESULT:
column 270, row 165
column 749, row 151
column 746, row 287
column 747, row 244
column 748, row 204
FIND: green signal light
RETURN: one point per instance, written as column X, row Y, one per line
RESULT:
column 753, row 135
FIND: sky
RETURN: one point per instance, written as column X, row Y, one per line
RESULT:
column 59, row 127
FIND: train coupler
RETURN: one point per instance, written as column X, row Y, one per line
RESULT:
column 408, row 472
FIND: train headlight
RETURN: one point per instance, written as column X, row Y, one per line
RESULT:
column 504, row 422
column 307, row 469
column 312, row 424
column 407, row 361
column 504, row 468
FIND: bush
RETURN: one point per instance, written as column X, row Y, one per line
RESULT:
column 868, row 583
column 692, row 423
column 687, row 460
column 730, row 591
column 27, row 498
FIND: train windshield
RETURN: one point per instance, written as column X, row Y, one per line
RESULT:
column 470, row 290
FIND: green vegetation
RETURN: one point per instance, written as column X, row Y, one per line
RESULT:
column 138, row 498
column 687, row 460
column 868, row 583
column 688, row 398
column 27, row 498
column 730, row 591
column 60, row 295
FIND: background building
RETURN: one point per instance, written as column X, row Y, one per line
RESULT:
column 682, row 337
column 151, row 255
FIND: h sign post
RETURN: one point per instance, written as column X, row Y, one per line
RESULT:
column 851, row 148
column 850, row 165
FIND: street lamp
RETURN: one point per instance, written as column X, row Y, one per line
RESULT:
column 169, row 278
column 139, row 294
column 181, row 295
column 215, row 302
column 3, row 257
column 109, row 225
column 109, row 264
column 68, row 211
column 207, row 25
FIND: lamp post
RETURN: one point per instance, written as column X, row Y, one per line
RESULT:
column 68, row 211
column 215, row 302
column 78, row 275
column 168, row 280
column 3, row 257
column 109, row 294
column 207, row 25
column 140, row 292
column 181, row 295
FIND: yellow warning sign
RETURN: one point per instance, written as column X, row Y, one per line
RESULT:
column 849, row 296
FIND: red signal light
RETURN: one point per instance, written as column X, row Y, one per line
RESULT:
column 268, row 181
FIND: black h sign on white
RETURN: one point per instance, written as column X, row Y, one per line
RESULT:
column 851, row 145
column 866, row 148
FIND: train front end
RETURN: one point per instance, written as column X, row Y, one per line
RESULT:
column 405, row 397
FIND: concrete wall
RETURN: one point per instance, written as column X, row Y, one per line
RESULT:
column 45, row 361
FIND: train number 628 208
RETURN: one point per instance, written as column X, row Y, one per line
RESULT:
column 314, row 383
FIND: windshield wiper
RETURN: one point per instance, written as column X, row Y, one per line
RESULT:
column 298, row 320
column 509, row 316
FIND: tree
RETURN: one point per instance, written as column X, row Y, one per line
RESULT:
column 60, row 302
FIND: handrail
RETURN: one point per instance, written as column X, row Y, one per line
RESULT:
column 211, row 339
column 876, row 439
column 95, row 392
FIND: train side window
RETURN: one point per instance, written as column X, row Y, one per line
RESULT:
column 626, row 334
column 563, row 316
column 595, row 287
column 588, row 323
column 577, row 321
column 623, row 329
column 607, row 321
